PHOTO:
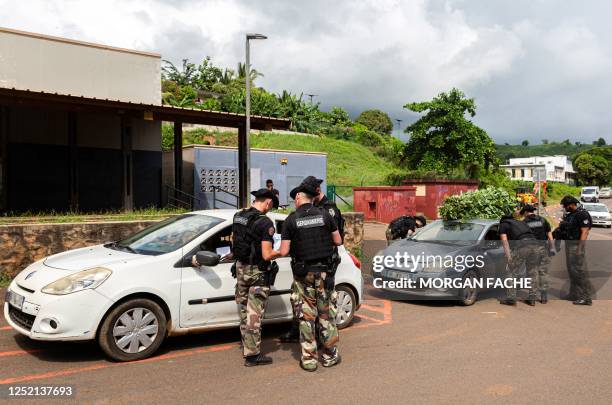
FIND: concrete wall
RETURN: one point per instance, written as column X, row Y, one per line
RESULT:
column 59, row 65
column 21, row 245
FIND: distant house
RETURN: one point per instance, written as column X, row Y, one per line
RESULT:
column 556, row 168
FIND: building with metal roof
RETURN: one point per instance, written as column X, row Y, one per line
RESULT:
column 80, row 125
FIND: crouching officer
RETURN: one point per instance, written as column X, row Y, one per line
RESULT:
column 404, row 226
column 574, row 229
column 309, row 236
column 545, row 246
column 253, row 234
column 320, row 201
column 522, row 252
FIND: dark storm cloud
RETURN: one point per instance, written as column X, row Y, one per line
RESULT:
column 537, row 68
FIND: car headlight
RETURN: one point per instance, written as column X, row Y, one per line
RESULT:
column 82, row 280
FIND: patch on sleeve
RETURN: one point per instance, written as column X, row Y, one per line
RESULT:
column 332, row 212
column 586, row 221
column 271, row 231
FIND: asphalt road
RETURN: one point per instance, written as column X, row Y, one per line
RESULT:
column 395, row 351
column 409, row 352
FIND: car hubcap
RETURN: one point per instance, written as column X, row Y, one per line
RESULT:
column 345, row 307
column 135, row 330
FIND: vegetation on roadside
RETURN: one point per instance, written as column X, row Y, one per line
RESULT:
column 70, row 217
column 491, row 203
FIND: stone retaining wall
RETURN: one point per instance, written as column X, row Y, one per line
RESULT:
column 21, row 245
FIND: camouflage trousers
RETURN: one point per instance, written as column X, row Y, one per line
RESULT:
column 251, row 297
column 580, row 285
column 333, row 307
column 524, row 254
column 312, row 305
column 542, row 266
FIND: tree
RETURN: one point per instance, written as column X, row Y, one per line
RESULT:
column 525, row 143
column 183, row 77
column 376, row 120
column 443, row 139
column 591, row 170
column 544, row 141
column 600, row 142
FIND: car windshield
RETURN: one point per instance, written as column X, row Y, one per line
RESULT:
column 167, row 236
column 595, row 208
column 450, row 231
column 588, row 191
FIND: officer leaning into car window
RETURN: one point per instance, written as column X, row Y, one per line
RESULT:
column 404, row 226
column 522, row 252
column 252, row 239
column 545, row 248
column 321, row 201
column 309, row 236
column 574, row 229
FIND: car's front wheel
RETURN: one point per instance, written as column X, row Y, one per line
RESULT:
column 133, row 330
column 346, row 304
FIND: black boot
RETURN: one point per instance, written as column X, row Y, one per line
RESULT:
column 586, row 301
column 257, row 360
column 293, row 336
column 531, row 300
column 507, row 301
column 543, row 297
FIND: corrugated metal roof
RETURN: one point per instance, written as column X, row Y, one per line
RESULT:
column 160, row 112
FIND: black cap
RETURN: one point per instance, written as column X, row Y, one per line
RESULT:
column 421, row 219
column 528, row 208
column 568, row 200
column 263, row 193
column 309, row 186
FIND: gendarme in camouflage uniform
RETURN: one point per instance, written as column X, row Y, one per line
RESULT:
column 310, row 236
column 253, row 239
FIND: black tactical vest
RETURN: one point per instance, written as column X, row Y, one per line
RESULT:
column 245, row 246
column 537, row 225
column 573, row 222
column 519, row 230
column 333, row 210
column 312, row 241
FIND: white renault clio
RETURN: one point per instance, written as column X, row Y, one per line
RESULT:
column 131, row 294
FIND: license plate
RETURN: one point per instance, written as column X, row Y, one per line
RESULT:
column 15, row 299
column 397, row 275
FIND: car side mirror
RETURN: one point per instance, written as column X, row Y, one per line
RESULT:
column 206, row 258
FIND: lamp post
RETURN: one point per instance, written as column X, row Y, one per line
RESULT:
column 399, row 128
column 244, row 146
column 311, row 96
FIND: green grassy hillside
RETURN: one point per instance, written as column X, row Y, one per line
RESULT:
column 348, row 163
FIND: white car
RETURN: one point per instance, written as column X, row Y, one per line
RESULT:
column 130, row 295
column 605, row 192
column 590, row 194
column 600, row 214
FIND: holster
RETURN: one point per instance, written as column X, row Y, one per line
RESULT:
column 335, row 262
column 233, row 270
column 270, row 274
column 298, row 268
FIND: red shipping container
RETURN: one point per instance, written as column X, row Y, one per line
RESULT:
column 384, row 203
column 430, row 194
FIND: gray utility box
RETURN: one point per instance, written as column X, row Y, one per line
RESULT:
column 207, row 167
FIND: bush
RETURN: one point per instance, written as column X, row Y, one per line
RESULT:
column 490, row 203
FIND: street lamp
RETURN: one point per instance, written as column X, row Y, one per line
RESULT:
column 245, row 146
column 399, row 128
column 311, row 96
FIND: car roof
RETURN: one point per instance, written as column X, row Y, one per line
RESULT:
column 479, row 221
column 228, row 214
column 599, row 204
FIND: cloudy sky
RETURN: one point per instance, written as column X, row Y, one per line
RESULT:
column 539, row 69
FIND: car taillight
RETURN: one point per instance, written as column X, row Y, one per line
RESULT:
column 356, row 261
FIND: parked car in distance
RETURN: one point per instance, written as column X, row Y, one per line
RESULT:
column 129, row 295
column 600, row 214
column 590, row 194
column 605, row 192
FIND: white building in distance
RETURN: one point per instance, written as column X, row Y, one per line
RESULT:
column 557, row 168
